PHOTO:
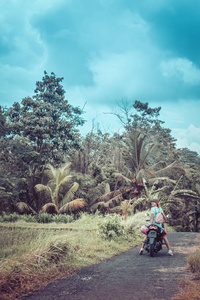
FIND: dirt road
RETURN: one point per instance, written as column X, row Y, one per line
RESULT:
column 128, row 276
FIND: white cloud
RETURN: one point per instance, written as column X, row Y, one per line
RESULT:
column 188, row 137
column 25, row 53
column 131, row 75
column 25, row 45
column 181, row 68
column 135, row 22
column 179, row 113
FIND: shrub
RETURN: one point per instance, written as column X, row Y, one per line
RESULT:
column 28, row 218
column 194, row 261
column 44, row 218
column 41, row 218
column 9, row 218
column 63, row 218
column 111, row 228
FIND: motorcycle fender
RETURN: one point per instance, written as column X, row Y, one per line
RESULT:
column 151, row 240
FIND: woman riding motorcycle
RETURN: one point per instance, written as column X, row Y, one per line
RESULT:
column 154, row 210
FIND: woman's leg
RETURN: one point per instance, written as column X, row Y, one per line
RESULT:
column 143, row 243
column 168, row 245
column 167, row 242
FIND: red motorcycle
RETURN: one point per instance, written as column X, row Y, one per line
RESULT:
column 154, row 240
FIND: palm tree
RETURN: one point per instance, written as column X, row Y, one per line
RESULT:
column 59, row 178
column 136, row 152
column 138, row 172
column 142, row 160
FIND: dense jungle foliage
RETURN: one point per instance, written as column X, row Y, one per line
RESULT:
column 47, row 166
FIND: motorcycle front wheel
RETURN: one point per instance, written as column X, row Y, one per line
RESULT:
column 151, row 249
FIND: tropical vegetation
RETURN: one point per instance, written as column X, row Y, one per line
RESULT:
column 47, row 166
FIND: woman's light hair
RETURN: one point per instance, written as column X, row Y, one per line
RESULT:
column 156, row 201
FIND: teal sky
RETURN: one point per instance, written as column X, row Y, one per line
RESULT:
column 107, row 51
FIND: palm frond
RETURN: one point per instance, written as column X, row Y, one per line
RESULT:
column 116, row 209
column 144, row 174
column 175, row 200
column 185, row 193
column 101, row 206
column 50, row 208
column 115, row 201
column 197, row 186
column 24, row 208
column 43, row 192
column 64, row 179
column 173, row 168
column 61, row 179
column 154, row 192
column 122, row 176
column 143, row 163
column 107, row 188
column 66, row 167
column 51, row 171
column 138, row 201
column 70, row 194
column 62, row 173
column 152, row 181
column 73, row 206
column 107, row 197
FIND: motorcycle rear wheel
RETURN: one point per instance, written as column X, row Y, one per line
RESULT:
column 151, row 250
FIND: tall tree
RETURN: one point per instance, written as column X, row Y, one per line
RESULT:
column 40, row 130
column 146, row 141
column 47, row 119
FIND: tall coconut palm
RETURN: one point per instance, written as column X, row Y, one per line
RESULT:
column 136, row 152
column 141, row 156
column 139, row 171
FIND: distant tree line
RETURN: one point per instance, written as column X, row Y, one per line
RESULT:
column 46, row 165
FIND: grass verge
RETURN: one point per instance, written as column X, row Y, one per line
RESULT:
column 32, row 255
column 191, row 288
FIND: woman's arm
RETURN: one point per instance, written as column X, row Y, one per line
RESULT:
column 152, row 218
column 165, row 218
